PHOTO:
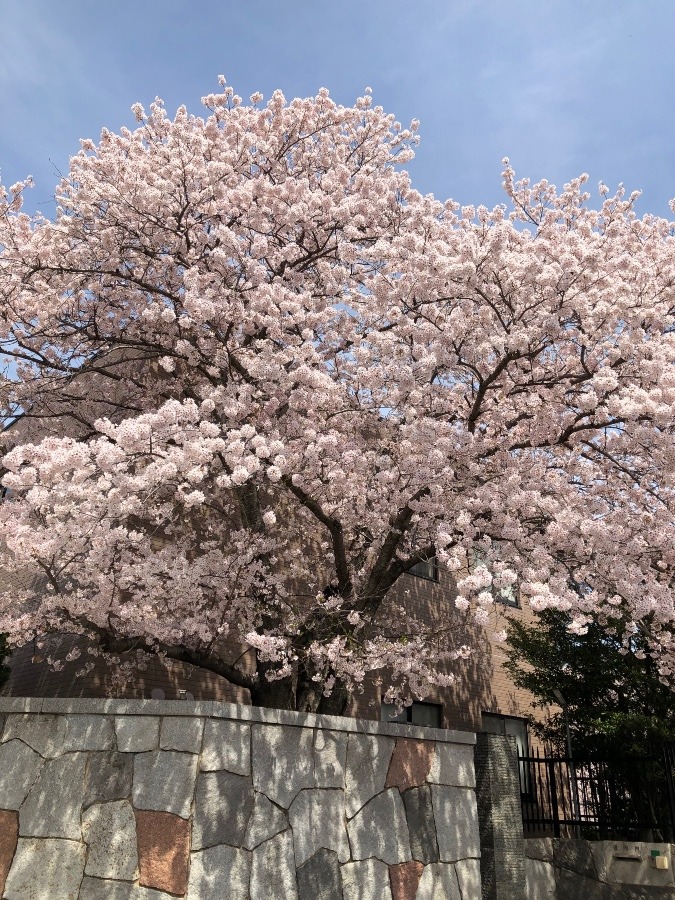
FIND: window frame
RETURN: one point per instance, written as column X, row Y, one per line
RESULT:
column 407, row 711
column 434, row 567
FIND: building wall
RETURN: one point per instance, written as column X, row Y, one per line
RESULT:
column 129, row 800
column 481, row 685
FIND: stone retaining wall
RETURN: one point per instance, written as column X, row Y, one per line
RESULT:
column 143, row 800
column 560, row 869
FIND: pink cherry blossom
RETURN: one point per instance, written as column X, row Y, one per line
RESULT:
column 256, row 377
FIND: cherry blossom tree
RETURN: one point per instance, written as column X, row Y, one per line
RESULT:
column 254, row 377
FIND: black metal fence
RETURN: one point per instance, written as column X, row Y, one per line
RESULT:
column 623, row 799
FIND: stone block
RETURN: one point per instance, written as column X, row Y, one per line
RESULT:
column 226, row 745
column 404, row 879
column 181, row 733
column 21, row 705
column 539, row 848
column 282, row 761
column 317, row 817
column 419, row 813
column 576, row 856
column 439, row 882
column 54, row 804
column 45, row 869
column 163, row 842
column 573, row 886
column 410, row 764
column 273, row 869
column 319, row 878
column 98, row 889
column 223, row 806
column 468, row 876
column 88, row 733
column 19, row 767
column 456, row 820
column 266, row 821
column 539, row 880
column 9, row 834
column 366, row 880
column 219, row 872
column 330, row 758
column 164, row 781
column 368, row 760
column 44, row 734
column 379, row 830
column 453, row 764
column 109, row 777
column 137, row 734
column 109, row 830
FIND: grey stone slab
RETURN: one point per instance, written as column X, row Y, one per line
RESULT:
column 45, row 869
column 319, row 878
column 226, row 745
column 576, row 856
column 282, row 762
column 317, row 817
column 330, row 758
column 379, row 830
column 21, row 705
column 456, row 818
column 137, row 734
column 539, row 880
column 109, row 830
column 468, row 876
column 266, row 821
column 367, row 880
column 273, row 870
column 368, row 760
column 99, row 889
column 54, row 804
column 539, row 848
column 109, row 777
column 164, row 780
column 223, row 806
column 439, row 882
column 42, row 733
column 181, row 733
column 88, row 733
column 236, row 712
column 19, row 767
column 219, row 872
column 573, row 886
column 452, row 764
column 421, row 826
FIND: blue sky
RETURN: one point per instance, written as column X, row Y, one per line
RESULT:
column 559, row 86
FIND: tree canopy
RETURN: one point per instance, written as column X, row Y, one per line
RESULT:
column 616, row 704
column 255, row 377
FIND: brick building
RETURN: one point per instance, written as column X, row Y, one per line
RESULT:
column 482, row 698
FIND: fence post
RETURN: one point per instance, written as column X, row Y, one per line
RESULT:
column 500, row 819
column 554, row 797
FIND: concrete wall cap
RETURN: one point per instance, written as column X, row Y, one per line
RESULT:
column 233, row 711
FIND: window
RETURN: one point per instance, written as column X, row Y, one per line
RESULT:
column 426, row 714
column 516, row 727
column 428, row 569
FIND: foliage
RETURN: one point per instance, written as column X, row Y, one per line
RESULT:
column 616, row 703
column 256, row 377
column 4, row 656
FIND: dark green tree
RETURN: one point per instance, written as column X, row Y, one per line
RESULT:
column 616, row 702
column 4, row 656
